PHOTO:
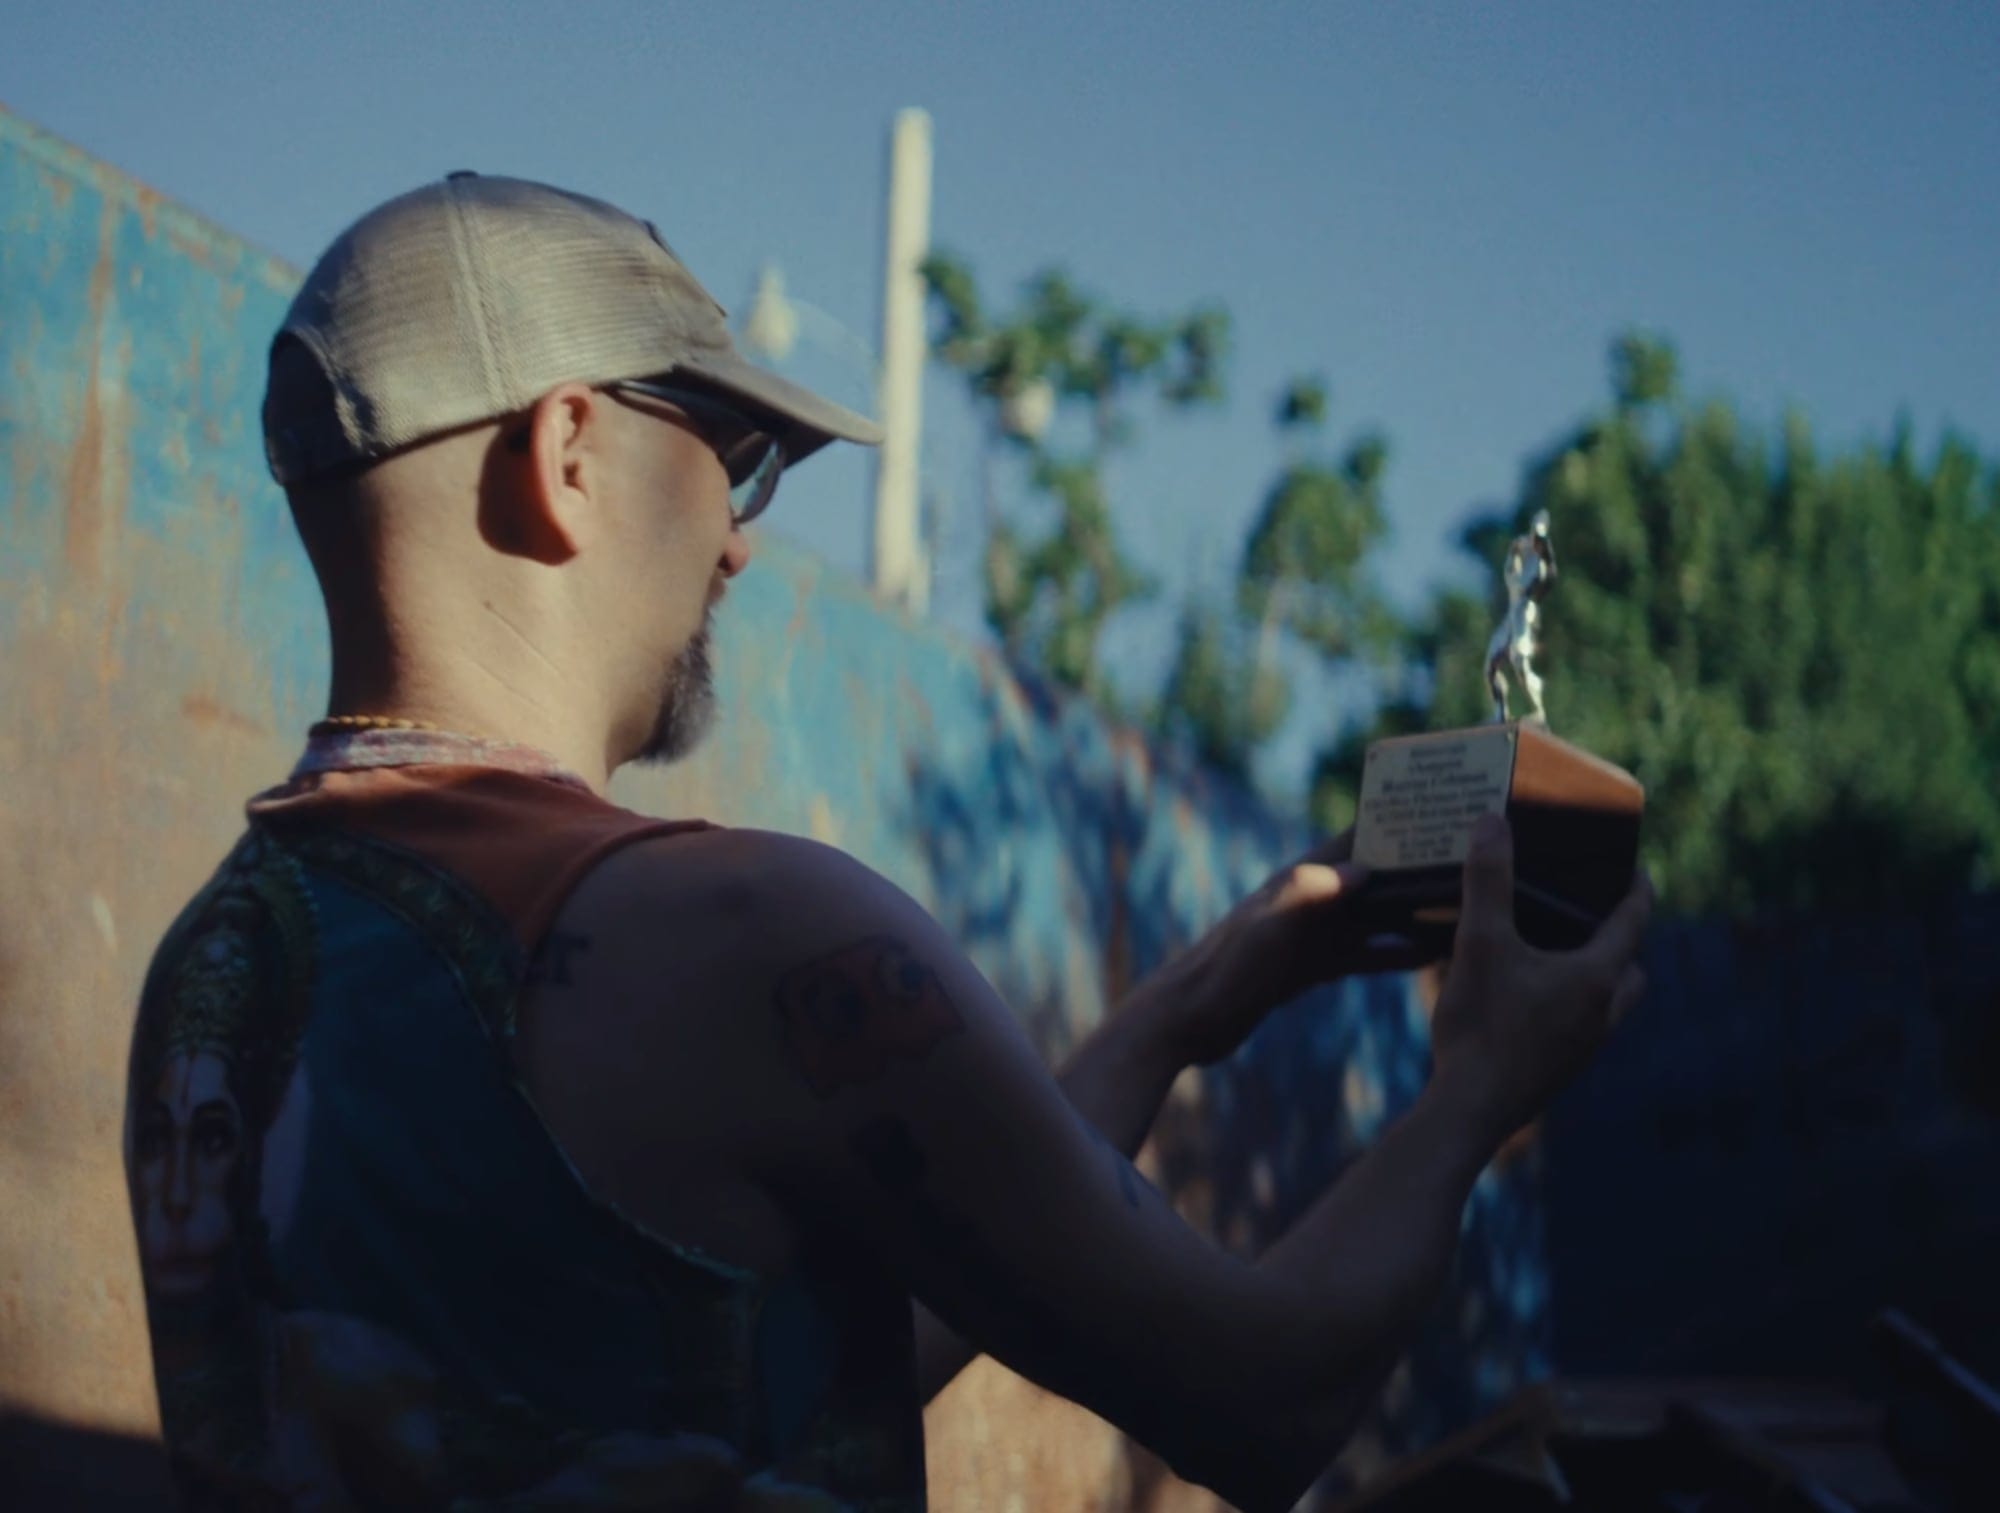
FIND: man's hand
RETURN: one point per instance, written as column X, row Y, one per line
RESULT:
column 1293, row 933
column 1515, row 1024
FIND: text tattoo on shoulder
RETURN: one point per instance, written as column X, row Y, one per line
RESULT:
column 850, row 1016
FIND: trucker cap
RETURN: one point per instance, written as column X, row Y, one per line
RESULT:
column 472, row 297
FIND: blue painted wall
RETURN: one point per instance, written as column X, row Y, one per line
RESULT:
column 161, row 653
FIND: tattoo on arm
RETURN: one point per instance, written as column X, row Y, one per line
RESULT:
column 549, row 967
column 850, row 1016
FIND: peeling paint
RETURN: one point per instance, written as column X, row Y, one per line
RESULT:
column 100, row 911
column 84, row 519
column 205, row 709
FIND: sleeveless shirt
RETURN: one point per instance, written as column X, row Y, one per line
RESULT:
column 373, row 1279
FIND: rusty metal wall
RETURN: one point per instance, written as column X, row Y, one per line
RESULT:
column 161, row 654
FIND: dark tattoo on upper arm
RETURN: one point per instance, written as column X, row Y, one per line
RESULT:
column 850, row 1016
column 550, row 964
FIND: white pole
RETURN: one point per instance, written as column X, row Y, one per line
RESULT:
column 900, row 574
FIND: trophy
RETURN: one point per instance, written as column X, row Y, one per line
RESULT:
column 1575, row 817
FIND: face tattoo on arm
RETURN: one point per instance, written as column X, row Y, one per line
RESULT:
column 851, row 1015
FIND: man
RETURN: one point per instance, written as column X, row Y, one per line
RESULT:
column 560, row 1157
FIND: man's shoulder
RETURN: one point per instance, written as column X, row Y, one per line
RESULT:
column 719, row 914
column 725, row 876
column 659, row 990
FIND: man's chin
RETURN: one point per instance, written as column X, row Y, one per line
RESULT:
column 683, row 723
column 672, row 741
column 687, row 707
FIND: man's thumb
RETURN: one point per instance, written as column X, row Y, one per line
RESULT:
column 1488, row 891
column 1317, row 882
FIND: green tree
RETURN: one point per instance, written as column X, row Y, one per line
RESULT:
column 1433, row 677
column 1225, row 694
column 1798, row 656
column 1305, row 569
column 1058, row 364
column 1306, row 581
column 1304, row 585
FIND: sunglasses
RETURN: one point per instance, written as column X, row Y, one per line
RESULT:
column 752, row 457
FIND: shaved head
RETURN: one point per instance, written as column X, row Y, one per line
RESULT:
column 549, row 573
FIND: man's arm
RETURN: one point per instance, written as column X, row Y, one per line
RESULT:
column 908, row 1108
column 1283, row 938
column 1395, row 1215
column 1116, row 1080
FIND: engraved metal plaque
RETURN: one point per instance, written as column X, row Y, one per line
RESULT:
column 1422, row 794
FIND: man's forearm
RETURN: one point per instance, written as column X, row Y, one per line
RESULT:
column 1121, row 1074
column 1117, row 1080
column 1374, row 1249
column 1367, row 1262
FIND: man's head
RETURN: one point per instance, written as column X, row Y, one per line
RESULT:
column 510, row 424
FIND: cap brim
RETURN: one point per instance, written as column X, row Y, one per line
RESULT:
column 802, row 419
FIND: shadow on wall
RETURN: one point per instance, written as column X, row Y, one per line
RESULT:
column 1144, row 859
column 1065, row 863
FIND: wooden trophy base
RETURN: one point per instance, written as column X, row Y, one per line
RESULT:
column 1575, row 819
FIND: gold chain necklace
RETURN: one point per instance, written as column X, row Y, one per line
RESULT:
column 374, row 722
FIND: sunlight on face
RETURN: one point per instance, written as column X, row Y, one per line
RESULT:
column 684, row 524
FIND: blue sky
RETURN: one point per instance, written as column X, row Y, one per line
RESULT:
column 1448, row 210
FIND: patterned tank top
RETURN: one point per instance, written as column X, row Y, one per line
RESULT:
column 373, row 1280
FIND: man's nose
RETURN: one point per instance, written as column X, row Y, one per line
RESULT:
column 735, row 553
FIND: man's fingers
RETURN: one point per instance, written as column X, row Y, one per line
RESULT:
column 1317, row 882
column 1488, row 890
column 1617, row 940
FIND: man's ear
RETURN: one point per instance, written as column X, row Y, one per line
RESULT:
column 552, row 459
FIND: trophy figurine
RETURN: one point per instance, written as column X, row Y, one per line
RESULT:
column 1530, row 572
column 1575, row 816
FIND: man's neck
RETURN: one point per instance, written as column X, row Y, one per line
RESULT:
column 334, row 747
column 512, row 715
